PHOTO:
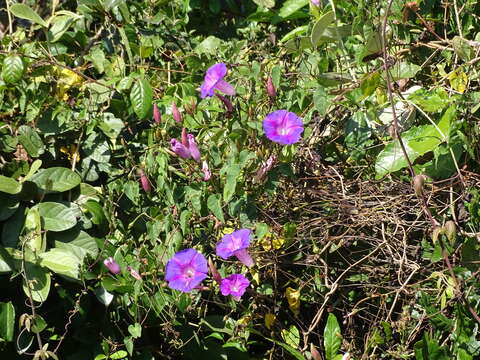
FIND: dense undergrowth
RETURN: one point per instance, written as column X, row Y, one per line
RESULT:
column 362, row 208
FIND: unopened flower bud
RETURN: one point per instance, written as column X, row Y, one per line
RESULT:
column 176, row 113
column 215, row 274
column 271, row 91
column 314, row 352
column 184, row 137
column 134, row 273
column 157, row 117
column 144, row 181
column 450, row 231
column 191, row 108
column 418, row 182
column 206, row 171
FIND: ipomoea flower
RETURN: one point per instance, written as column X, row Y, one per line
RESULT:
column 283, row 127
column 192, row 146
column 112, row 265
column 236, row 244
column 214, row 80
column 186, row 270
column 315, row 2
column 179, row 149
column 234, row 285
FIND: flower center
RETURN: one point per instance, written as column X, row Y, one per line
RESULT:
column 189, row 272
column 282, row 131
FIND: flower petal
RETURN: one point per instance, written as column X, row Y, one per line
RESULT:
column 214, row 74
column 225, row 87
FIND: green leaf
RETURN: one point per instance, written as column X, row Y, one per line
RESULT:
column 33, row 169
column 33, row 230
column 7, row 321
column 56, row 216
column 215, row 205
column 103, row 296
column 231, row 182
column 59, row 25
column 61, row 262
column 404, row 70
column 118, row 355
column 291, row 6
column 110, row 125
column 332, row 337
column 418, row 141
column 39, row 280
column 291, row 336
column 9, row 185
column 430, row 100
column 265, row 3
column 298, row 43
column 25, row 12
column 31, row 141
column 56, row 179
column 38, row 324
column 135, row 330
column 141, row 96
column 320, row 27
column 12, row 70
column 76, row 241
column 13, row 227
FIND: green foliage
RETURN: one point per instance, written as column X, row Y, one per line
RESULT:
column 87, row 174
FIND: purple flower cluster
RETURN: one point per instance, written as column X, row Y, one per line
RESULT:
column 187, row 148
column 188, row 268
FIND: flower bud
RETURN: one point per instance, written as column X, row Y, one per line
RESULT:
column 215, row 274
column 314, row 352
column 206, row 171
column 271, row 91
column 112, row 265
column 191, row 108
column 157, row 117
column 134, row 273
column 144, row 181
column 176, row 113
column 450, row 231
column 184, row 137
column 418, row 182
column 315, row 2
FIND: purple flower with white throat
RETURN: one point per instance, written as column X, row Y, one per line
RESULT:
column 112, row 265
column 283, row 127
column 214, row 80
column 186, row 270
column 234, row 285
column 236, row 244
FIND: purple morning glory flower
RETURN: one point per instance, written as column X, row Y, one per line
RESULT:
column 112, row 265
column 236, row 244
column 179, row 149
column 214, row 80
column 283, row 127
column 186, row 270
column 234, row 285
column 315, row 2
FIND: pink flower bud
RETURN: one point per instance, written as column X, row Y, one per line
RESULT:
column 215, row 274
column 206, row 171
column 184, row 137
column 315, row 2
column 134, row 273
column 176, row 113
column 144, row 181
column 272, row 93
column 192, row 146
column 226, row 102
column 112, row 265
column 179, row 149
column 157, row 117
